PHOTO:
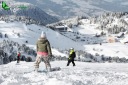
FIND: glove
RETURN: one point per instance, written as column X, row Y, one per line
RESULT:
column 69, row 58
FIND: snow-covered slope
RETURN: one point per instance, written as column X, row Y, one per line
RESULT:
column 85, row 34
column 81, row 74
column 31, row 33
column 107, row 49
column 68, row 8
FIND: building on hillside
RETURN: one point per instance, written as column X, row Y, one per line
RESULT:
column 111, row 39
column 120, row 35
column 61, row 28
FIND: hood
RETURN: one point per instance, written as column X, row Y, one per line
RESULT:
column 42, row 40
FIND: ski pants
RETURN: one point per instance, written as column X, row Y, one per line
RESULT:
column 69, row 61
column 18, row 59
column 39, row 58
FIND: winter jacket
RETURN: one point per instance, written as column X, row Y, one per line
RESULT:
column 18, row 54
column 43, row 46
column 72, row 55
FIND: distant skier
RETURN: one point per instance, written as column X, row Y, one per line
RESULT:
column 6, row 36
column 72, row 55
column 18, row 57
column 43, row 52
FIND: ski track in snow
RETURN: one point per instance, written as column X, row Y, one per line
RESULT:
column 82, row 74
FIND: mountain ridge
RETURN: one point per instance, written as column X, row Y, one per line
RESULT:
column 30, row 11
column 69, row 8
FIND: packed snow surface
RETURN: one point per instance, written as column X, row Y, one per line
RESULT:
column 81, row 74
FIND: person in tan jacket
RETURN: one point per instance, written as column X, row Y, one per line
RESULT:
column 43, row 52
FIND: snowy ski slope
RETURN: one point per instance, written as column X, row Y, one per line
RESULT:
column 31, row 33
column 81, row 74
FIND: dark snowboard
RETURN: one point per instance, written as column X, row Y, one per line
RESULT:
column 52, row 69
column 56, row 69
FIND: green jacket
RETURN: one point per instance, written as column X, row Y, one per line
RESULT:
column 43, row 45
column 72, row 55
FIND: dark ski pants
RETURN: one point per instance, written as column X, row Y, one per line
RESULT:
column 69, row 61
column 18, row 59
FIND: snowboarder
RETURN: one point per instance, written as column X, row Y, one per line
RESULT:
column 18, row 57
column 72, row 55
column 43, row 52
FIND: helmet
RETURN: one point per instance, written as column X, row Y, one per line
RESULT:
column 71, row 48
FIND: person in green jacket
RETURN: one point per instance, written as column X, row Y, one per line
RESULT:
column 72, row 55
column 43, row 52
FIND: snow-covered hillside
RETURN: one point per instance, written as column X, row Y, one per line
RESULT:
column 94, row 33
column 82, row 38
column 81, row 74
column 101, row 40
column 31, row 33
column 85, row 34
column 69, row 8
column 31, row 11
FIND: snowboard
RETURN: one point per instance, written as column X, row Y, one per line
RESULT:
column 56, row 69
column 52, row 69
column 45, row 71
